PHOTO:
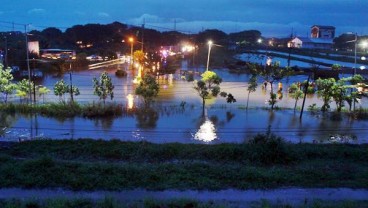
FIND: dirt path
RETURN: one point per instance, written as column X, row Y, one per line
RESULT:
column 286, row 195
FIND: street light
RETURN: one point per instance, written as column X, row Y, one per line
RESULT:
column 131, row 40
column 209, row 52
column 364, row 45
column 355, row 51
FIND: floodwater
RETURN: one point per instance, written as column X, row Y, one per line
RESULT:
column 178, row 117
column 239, row 198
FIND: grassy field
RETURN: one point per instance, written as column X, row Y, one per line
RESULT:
column 177, row 203
column 265, row 162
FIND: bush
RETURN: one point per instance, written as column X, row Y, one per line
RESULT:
column 270, row 149
column 59, row 109
column 313, row 108
column 121, row 73
column 100, row 109
column 361, row 113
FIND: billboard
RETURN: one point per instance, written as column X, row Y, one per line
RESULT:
column 34, row 47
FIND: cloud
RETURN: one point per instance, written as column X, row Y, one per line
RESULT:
column 103, row 14
column 267, row 29
column 36, row 11
column 148, row 18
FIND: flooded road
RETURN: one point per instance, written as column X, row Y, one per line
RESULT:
column 177, row 116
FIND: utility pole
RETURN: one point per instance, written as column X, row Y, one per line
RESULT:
column 71, row 81
column 305, row 95
column 290, row 45
column 34, row 86
column 144, row 22
column 355, row 53
column 28, row 67
column 6, row 52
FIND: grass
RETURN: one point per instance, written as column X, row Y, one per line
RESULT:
column 153, row 203
column 116, row 165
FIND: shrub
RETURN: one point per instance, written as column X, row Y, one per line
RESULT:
column 270, row 149
column 120, row 73
column 100, row 109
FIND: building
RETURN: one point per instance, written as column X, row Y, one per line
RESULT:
column 57, row 54
column 311, row 43
column 325, row 32
column 321, row 38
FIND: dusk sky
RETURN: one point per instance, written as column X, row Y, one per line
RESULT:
column 272, row 17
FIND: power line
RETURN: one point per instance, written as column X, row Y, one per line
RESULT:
column 149, row 26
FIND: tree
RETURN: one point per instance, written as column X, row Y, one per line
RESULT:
column 139, row 57
column 103, row 87
column 273, row 73
column 60, row 89
column 354, row 95
column 356, row 79
column 339, row 94
column 295, row 93
column 208, row 86
column 23, row 88
column 325, row 88
column 42, row 91
column 248, row 37
column 6, row 86
column 75, row 91
column 336, row 67
column 148, row 88
column 215, row 35
column 252, row 86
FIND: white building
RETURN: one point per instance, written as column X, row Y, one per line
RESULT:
column 311, row 43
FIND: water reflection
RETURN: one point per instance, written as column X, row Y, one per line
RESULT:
column 130, row 101
column 6, row 120
column 206, row 132
column 105, row 123
column 147, row 118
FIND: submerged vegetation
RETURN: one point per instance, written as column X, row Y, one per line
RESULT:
column 64, row 110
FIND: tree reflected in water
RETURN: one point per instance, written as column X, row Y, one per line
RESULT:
column 6, row 121
column 147, row 118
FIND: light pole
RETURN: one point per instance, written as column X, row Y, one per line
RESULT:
column 209, row 52
column 131, row 40
column 355, row 51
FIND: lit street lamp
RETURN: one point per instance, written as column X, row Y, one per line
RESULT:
column 131, row 40
column 364, row 45
column 209, row 52
column 210, row 44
